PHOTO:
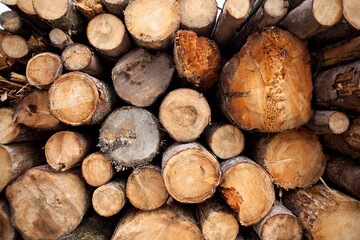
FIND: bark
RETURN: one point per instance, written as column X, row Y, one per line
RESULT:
column 184, row 113
column 141, row 77
column 351, row 10
column 116, row 7
column 129, row 137
column 328, row 122
column 59, row 38
column 97, row 169
column 89, row 8
column 76, row 98
column 191, row 174
column 325, row 213
column 247, row 189
column 13, row 23
column 153, row 29
column 7, row 230
column 36, row 197
column 267, row 86
column 145, row 188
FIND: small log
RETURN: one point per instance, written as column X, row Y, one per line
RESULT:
column 325, row 213
column 191, row 174
column 7, row 230
column 6, row 63
column 79, row 57
column 17, row 158
column 36, row 197
column 129, row 137
column 15, row 46
column 170, row 221
column 198, row 16
column 232, row 15
column 59, row 38
column 89, row 8
column 42, row 69
column 225, row 140
column 217, row 221
column 247, row 189
column 338, row 87
column 351, row 12
column 97, row 169
column 184, row 113
column 76, row 98
column 197, row 59
column 312, row 17
column 279, row 223
column 33, row 111
column 108, row 35
column 267, row 86
column 140, row 77
column 110, row 198
column 116, row 7
column 152, row 29
column 13, row 23
column 145, row 188
column 65, row 149
column 328, row 122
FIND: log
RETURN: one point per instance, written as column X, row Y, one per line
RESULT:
column 267, row 86
column 197, row 59
column 344, row 172
column 36, row 197
column 17, row 158
column 152, row 29
column 13, row 23
column 351, row 10
column 79, row 57
column 279, row 223
column 247, row 189
column 145, row 188
column 129, row 137
column 312, row 17
column 59, row 38
column 217, row 221
column 7, row 230
column 325, row 213
column 141, row 77
column 33, row 111
column 110, row 198
column 191, row 174
column 328, row 122
column 15, row 46
column 89, row 8
column 116, row 7
column 198, row 16
column 6, row 63
column 96, row 169
column 108, row 35
column 338, row 87
column 173, row 221
column 42, row 69
column 224, row 140
column 184, row 113
column 65, row 149
column 76, row 98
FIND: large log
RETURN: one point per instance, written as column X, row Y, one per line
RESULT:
column 116, row 7
column 184, row 113
column 325, row 213
column 140, row 77
column 46, row 204
column 191, row 174
column 129, row 137
column 247, row 189
column 97, row 169
column 59, row 38
column 328, row 122
column 7, row 231
column 267, row 86
column 152, row 29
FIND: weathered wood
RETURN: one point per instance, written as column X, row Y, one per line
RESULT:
column 152, row 29
column 198, row 16
column 328, row 122
column 76, row 98
column 129, row 137
column 267, row 86
column 247, row 189
column 116, row 7
column 184, row 113
column 145, row 188
column 110, row 198
column 280, row 223
column 97, row 169
column 217, row 221
column 351, row 12
column 140, row 77
column 191, row 174
column 12, row 22
column 7, row 231
column 46, row 204
column 15, row 46
column 59, row 38
column 197, row 59
column 325, row 213
column 89, row 8
column 173, row 221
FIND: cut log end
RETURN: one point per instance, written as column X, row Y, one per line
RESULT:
column 6, row 168
column 76, row 57
column 97, row 169
column 351, row 12
column 26, row 6
column 59, row 38
column 51, row 10
column 339, row 122
column 9, row 129
column 7, row 231
column 15, row 46
column 10, row 21
column 276, row 8
column 327, row 13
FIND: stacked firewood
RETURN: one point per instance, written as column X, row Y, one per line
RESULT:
column 154, row 119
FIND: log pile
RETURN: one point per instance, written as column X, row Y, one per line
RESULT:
column 155, row 119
